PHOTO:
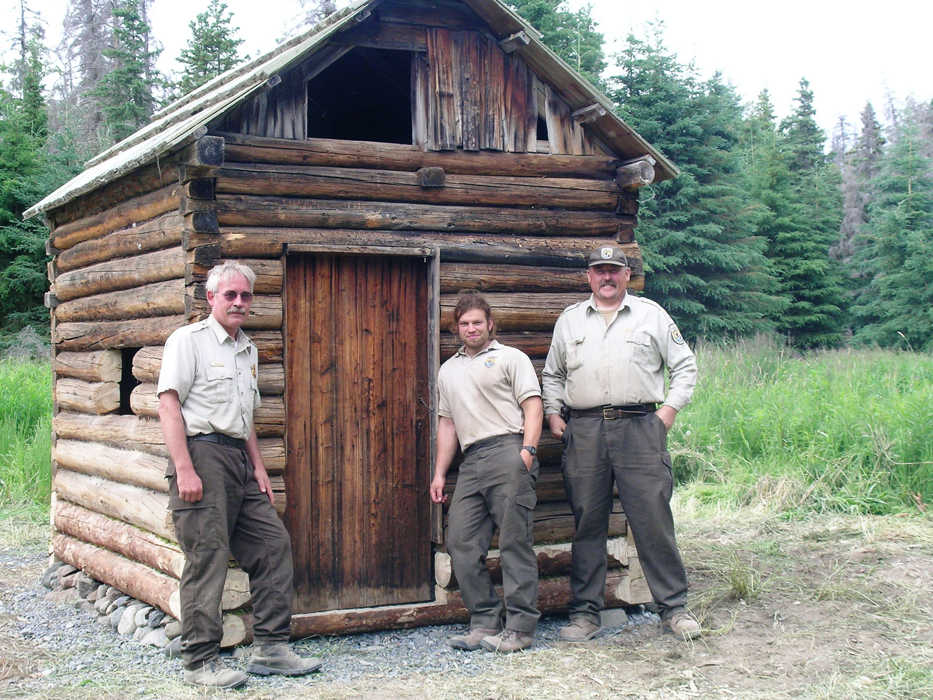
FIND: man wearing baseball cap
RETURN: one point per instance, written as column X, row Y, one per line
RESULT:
column 605, row 374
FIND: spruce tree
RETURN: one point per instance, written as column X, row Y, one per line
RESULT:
column 125, row 92
column 212, row 49
column 703, row 260
column 799, row 250
column 895, row 305
column 571, row 35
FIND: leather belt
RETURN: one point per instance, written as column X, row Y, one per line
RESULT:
column 220, row 439
column 615, row 412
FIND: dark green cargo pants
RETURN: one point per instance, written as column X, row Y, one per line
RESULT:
column 232, row 518
column 494, row 489
column 633, row 452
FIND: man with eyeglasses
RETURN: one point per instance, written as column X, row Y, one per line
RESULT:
column 219, row 491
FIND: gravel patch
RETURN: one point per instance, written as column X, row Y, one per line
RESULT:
column 64, row 647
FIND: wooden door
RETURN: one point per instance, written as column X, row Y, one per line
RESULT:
column 358, row 429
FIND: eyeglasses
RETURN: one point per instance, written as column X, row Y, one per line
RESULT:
column 231, row 295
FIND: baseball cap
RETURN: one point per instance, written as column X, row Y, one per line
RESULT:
column 607, row 255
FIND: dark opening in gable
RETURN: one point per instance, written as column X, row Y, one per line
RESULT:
column 363, row 96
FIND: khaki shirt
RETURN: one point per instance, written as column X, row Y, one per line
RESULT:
column 215, row 377
column 483, row 394
column 591, row 364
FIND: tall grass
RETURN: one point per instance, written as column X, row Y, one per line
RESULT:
column 25, row 435
column 848, row 431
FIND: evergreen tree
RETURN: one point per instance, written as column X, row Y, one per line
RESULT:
column 125, row 92
column 316, row 10
column 705, row 264
column 571, row 35
column 212, row 49
column 895, row 247
column 799, row 250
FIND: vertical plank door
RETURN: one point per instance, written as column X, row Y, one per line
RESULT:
column 357, row 472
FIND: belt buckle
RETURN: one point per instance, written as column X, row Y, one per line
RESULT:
column 609, row 413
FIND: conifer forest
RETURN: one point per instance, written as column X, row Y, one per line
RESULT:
column 773, row 226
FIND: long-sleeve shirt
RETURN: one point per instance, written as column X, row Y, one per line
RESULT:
column 593, row 364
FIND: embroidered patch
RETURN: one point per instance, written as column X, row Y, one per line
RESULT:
column 490, row 361
column 605, row 253
column 676, row 336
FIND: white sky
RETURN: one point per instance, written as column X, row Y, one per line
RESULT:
column 851, row 51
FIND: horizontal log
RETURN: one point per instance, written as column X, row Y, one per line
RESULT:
column 138, row 506
column 246, row 210
column 395, row 186
column 157, row 299
column 124, row 466
column 122, row 273
column 511, row 278
column 139, row 208
column 98, row 366
column 99, row 335
column 553, row 598
column 532, row 343
column 517, row 311
column 89, row 397
column 147, row 363
column 164, row 231
column 125, row 432
column 130, row 577
column 265, row 313
column 241, row 148
column 636, row 174
column 553, row 560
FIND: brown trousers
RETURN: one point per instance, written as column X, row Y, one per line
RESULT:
column 633, row 453
column 232, row 518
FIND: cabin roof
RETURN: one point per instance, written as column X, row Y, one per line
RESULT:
column 185, row 120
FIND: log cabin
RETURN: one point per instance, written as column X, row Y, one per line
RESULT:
column 367, row 170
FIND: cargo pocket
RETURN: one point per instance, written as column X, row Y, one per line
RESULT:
column 197, row 526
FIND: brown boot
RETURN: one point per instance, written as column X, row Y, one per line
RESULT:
column 508, row 641
column 681, row 624
column 580, row 629
column 472, row 640
column 279, row 659
column 215, row 674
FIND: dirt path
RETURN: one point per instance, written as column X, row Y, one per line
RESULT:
column 827, row 607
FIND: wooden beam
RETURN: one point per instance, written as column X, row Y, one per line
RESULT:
column 98, row 366
column 588, row 114
column 514, row 42
column 122, row 273
column 636, row 174
column 89, row 397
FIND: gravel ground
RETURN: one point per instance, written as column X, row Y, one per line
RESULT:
column 73, row 650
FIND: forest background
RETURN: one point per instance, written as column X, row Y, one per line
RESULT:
column 772, row 227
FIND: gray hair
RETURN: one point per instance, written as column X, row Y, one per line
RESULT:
column 226, row 270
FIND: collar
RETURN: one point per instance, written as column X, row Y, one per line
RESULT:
column 626, row 302
column 242, row 340
column 493, row 345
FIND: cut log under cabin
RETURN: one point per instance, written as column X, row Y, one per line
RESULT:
column 368, row 170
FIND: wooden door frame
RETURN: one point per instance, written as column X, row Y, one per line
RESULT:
column 432, row 256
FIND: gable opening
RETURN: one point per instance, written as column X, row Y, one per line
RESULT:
column 363, row 96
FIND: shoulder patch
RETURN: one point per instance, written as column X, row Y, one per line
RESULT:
column 675, row 335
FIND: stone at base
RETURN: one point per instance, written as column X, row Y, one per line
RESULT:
column 172, row 629
column 155, row 637
column 173, row 649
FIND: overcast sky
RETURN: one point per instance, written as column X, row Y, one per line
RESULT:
column 850, row 51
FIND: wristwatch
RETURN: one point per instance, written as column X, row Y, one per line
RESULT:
column 531, row 449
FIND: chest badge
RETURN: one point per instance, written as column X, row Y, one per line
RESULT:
column 254, row 371
column 490, row 361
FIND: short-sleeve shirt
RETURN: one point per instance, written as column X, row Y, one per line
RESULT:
column 215, row 377
column 482, row 394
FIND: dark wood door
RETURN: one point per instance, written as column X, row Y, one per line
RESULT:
column 357, row 473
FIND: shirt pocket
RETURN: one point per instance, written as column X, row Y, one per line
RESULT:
column 574, row 354
column 220, row 384
column 642, row 351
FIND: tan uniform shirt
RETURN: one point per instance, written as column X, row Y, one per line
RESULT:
column 215, row 377
column 483, row 394
column 591, row 364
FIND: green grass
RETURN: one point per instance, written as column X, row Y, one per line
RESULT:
column 25, row 437
column 834, row 431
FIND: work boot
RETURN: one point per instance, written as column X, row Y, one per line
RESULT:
column 279, row 659
column 508, row 641
column 681, row 624
column 213, row 673
column 579, row 630
column 472, row 640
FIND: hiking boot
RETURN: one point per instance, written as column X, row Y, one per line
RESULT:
column 279, row 659
column 472, row 640
column 579, row 630
column 681, row 624
column 508, row 641
column 213, row 673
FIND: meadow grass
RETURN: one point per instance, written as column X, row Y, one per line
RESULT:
column 25, row 438
column 833, row 431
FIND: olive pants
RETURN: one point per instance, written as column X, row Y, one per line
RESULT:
column 633, row 452
column 233, row 517
column 494, row 489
